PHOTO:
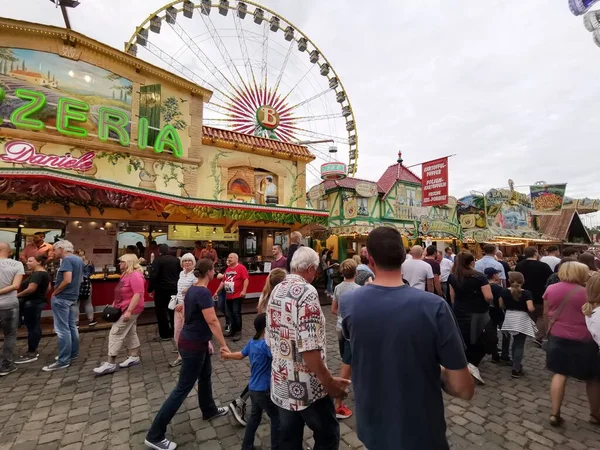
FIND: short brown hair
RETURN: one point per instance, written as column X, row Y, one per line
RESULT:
column 489, row 249
column 530, row 252
column 348, row 268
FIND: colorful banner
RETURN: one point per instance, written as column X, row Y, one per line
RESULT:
column 435, row 182
column 547, row 199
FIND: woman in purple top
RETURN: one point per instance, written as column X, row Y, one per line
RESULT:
column 571, row 353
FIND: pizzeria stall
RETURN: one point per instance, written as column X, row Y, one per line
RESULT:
column 109, row 152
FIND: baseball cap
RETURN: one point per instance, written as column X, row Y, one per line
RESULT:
column 490, row 272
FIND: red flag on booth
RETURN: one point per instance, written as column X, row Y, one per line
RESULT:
column 434, row 182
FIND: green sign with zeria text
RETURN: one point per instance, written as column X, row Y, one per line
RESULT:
column 70, row 111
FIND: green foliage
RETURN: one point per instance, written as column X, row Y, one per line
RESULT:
column 294, row 177
column 172, row 114
column 214, row 173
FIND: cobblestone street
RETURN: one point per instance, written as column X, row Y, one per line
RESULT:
column 74, row 410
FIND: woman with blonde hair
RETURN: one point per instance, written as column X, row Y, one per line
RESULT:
column 571, row 351
column 518, row 302
column 275, row 277
column 129, row 298
column 186, row 279
column 238, row 406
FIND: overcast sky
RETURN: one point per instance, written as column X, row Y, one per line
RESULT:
column 511, row 88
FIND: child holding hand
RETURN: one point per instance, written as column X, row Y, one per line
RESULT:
column 260, row 384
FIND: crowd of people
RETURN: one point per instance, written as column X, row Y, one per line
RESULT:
column 431, row 315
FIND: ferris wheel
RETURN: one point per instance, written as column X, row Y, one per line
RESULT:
column 268, row 78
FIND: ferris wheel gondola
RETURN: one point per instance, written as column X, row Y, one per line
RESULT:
column 268, row 78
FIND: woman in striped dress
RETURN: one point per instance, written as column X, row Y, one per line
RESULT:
column 518, row 302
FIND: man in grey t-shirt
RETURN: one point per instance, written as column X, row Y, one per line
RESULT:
column 11, row 275
column 64, row 304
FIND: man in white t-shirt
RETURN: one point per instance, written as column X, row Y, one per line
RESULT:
column 11, row 275
column 417, row 272
column 552, row 258
column 446, row 269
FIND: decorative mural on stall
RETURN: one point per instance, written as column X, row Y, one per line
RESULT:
column 249, row 185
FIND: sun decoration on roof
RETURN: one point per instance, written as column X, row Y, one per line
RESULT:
column 261, row 112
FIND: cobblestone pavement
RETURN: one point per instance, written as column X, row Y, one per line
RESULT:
column 74, row 410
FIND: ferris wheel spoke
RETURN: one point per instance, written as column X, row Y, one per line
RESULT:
column 191, row 44
column 296, row 120
column 285, row 61
column 299, row 81
column 324, row 154
column 314, row 134
column 242, row 40
column 265, row 53
column 313, row 171
column 185, row 72
column 308, row 100
column 231, row 67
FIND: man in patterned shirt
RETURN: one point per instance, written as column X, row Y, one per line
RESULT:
column 301, row 385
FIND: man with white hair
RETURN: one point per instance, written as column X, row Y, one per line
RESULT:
column 417, row 272
column 11, row 275
column 301, row 385
column 64, row 304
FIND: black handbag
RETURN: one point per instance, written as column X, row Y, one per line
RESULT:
column 111, row 314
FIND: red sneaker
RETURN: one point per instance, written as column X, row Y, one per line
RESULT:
column 342, row 412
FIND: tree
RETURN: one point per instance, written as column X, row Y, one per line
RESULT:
column 48, row 76
column 172, row 114
column 23, row 65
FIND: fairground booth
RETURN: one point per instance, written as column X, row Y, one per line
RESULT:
column 108, row 151
column 357, row 206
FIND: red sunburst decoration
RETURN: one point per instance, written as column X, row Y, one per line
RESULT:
column 261, row 112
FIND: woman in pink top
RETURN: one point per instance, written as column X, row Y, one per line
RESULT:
column 571, row 350
column 129, row 298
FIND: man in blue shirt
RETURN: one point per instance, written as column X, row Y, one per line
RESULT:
column 406, row 348
column 489, row 260
column 64, row 304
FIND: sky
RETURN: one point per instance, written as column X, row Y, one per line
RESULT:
column 510, row 88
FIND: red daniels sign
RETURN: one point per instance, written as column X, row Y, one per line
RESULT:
column 21, row 152
column 434, row 182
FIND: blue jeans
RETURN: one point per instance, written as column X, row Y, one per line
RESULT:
column 329, row 273
column 221, row 304
column 32, row 313
column 233, row 309
column 319, row 417
column 195, row 366
column 518, row 351
column 9, row 322
column 261, row 401
column 64, row 312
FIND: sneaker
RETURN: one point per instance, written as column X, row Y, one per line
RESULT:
column 27, row 358
column 343, row 412
column 5, row 370
column 236, row 337
column 130, row 361
column 165, row 444
column 517, row 373
column 54, row 366
column 72, row 359
column 93, row 323
column 159, row 339
column 538, row 343
column 175, row 363
column 238, row 408
column 175, row 350
column 222, row 411
column 105, row 368
column 474, row 371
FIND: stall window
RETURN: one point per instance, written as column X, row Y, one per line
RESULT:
column 323, row 204
column 363, row 206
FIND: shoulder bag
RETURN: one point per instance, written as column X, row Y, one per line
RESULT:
column 111, row 313
column 558, row 311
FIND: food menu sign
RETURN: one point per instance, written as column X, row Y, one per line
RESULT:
column 200, row 233
column 435, row 182
column 547, row 199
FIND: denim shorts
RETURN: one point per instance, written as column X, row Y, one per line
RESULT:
column 345, row 350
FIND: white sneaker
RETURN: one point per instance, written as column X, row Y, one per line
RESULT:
column 165, row 444
column 130, row 361
column 105, row 368
column 474, row 371
column 238, row 408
